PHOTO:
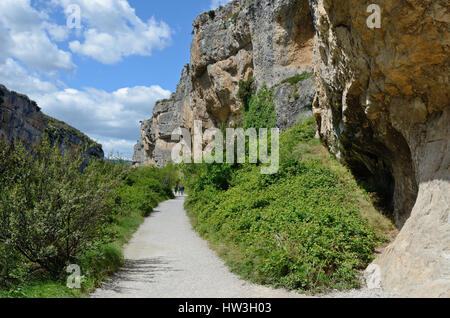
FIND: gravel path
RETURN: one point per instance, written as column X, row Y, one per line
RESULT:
column 167, row 259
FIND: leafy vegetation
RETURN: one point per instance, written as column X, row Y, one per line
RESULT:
column 245, row 92
column 309, row 227
column 55, row 210
column 261, row 110
column 297, row 78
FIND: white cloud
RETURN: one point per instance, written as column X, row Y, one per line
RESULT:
column 5, row 41
column 28, row 40
column 100, row 113
column 16, row 77
column 120, row 148
column 36, row 50
column 114, row 31
column 111, row 118
column 217, row 3
column 58, row 33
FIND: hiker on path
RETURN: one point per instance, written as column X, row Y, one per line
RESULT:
column 182, row 190
column 176, row 189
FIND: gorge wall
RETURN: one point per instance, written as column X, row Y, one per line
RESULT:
column 383, row 108
column 269, row 41
column 21, row 118
column 381, row 104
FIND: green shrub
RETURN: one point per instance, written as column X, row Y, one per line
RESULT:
column 297, row 78
column 299, row 229
column 55, row 210
column 245, row 92
column 10, row 273
column 261, row 110
column 49, row 208
column 198, row 177
column 144, row 188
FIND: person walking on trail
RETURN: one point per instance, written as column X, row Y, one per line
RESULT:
column 176, row 189
column 182, row 190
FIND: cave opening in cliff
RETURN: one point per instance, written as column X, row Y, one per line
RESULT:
column 378, row 181
column 384, row 168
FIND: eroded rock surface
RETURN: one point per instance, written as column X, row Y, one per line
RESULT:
column 383, row 108
column 269, row 41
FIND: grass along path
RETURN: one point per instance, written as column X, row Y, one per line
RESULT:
column 167, row 259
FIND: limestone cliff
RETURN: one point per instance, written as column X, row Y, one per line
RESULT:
column 383, row 108
column 21, row 118
column 270, row 41
column 381, row 104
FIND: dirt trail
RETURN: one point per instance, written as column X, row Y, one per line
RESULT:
column 167, row 259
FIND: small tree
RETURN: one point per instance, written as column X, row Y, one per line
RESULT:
column 51, row 202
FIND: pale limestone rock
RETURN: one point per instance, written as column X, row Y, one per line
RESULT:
column 267, row 40
column 383, row 107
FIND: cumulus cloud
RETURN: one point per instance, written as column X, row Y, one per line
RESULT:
column 28, row 40
column 110, row 118
column 117, row 148
column 14, row 76
column 100, row 113
column 30, row 61
column 57, row 33
column 217, row 3
column 114, row 31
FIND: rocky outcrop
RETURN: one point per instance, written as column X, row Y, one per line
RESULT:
column 293, row 102
column 269, row 41
column 383, row 108
column 155, row 145
column 22, row 119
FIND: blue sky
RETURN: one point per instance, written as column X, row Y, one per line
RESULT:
column 106, row 76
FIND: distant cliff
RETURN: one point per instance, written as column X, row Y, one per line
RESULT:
column 21, row 118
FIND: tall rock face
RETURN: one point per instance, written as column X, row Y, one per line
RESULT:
column 383, row 107
column 269, row 41
column 381, row 104
column 155, row 145
column 21, row 118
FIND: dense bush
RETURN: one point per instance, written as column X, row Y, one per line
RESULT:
column 143, row 189
column 61, row 208
column 245, row 92
column 261, row 110
column 202, row 176
column 300, row 229
column 49, row 209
